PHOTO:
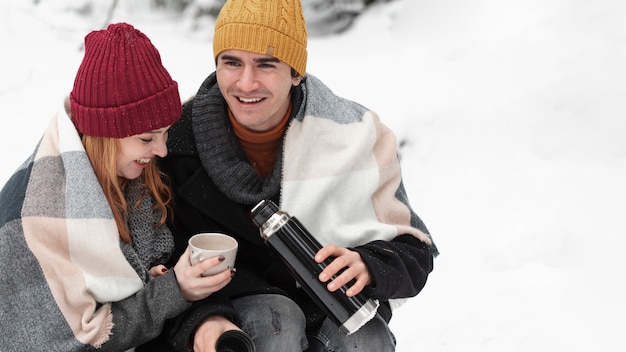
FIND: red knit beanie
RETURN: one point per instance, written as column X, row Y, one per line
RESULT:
column 121, row 88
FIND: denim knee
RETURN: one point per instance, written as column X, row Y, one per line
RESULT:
column 274, row 322
column 375, row 336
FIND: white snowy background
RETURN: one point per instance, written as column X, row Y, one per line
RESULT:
column 511, row 119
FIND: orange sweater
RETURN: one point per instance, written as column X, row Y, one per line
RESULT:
column 261, row 148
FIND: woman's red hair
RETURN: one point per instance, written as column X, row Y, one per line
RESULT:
column 102, row 153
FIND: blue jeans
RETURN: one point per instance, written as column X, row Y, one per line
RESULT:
column 276, row 324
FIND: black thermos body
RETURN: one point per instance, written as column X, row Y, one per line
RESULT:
column 297, row 248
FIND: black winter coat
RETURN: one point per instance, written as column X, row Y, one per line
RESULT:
column 200, row 206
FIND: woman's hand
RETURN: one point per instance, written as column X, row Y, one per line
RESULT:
column 192, row 284
column 157, row 270
column 346, row 259
column 209, row 331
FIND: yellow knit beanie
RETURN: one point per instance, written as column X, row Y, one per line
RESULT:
column 272, row 27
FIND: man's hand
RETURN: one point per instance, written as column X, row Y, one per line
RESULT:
column 209, row 331
column 346, row 259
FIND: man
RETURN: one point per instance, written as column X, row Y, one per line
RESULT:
column 261, row 128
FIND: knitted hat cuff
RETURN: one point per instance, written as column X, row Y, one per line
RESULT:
column 259, row 39
column 151, row 113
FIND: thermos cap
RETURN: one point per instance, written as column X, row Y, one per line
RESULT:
column 263, row 211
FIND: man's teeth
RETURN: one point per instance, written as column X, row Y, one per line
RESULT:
column 253, row 100
column 143, row 161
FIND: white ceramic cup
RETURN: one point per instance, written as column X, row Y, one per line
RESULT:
column 212, row 244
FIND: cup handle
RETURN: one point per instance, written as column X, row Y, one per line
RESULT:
column 195, row 256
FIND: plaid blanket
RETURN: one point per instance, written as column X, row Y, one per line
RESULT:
column 340, row 148
column 60, row 256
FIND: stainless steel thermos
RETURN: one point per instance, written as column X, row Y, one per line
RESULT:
column 297, row 247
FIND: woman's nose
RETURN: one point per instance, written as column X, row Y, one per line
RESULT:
column 160, row 148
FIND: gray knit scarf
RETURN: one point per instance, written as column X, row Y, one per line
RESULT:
column 151, row 245
column 221, row 154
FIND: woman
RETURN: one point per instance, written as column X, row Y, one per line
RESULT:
column 82, row 222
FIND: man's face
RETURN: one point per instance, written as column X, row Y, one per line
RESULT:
column 256, row 87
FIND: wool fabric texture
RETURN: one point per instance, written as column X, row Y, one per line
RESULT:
column 68, row 282
column 121, row 88
column 275, row 28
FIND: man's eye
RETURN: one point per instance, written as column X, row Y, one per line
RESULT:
column 146, row 140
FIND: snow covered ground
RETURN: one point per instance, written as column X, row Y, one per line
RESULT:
column 511, row 118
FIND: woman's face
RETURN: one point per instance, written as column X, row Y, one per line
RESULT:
column 137, row 151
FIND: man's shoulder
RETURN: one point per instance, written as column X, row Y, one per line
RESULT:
column 322, row 102
column 180, row 135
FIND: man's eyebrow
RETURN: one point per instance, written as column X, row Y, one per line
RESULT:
column 229, row 58
column 266, row 59
column 258, row 60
